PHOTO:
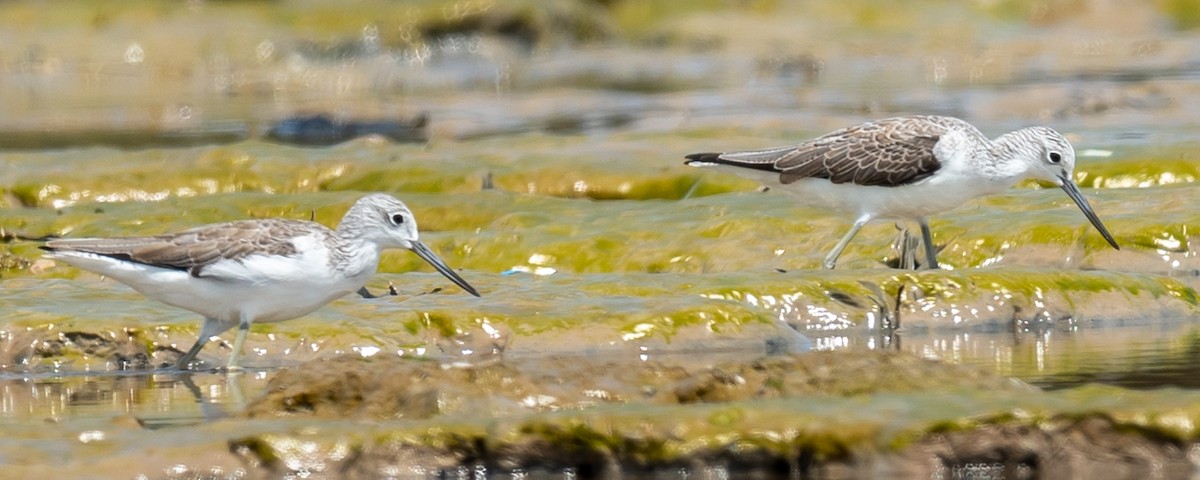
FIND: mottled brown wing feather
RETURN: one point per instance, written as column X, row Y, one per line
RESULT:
column 191, row 250
column 890, row 152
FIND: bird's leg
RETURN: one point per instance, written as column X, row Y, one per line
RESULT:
column 930, row 250
column 243, row 328
column 831, row 259
column 188, row 357
column 211, row 327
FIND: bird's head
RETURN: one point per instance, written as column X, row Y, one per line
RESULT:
column 388, row 223
column 1051, row 158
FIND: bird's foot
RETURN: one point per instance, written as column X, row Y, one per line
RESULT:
column 364, row 293
column 184, row 366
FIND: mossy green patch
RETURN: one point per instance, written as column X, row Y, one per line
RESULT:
column 1184, row 14
column 1156, row 168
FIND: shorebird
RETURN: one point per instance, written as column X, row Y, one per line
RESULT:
column 906, row 168
column 267, row 270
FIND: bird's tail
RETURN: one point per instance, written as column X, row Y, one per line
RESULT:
column 714, row 158
column 758, row 160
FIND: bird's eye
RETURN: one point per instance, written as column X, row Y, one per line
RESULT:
column 1055, row 157
column 397, row 218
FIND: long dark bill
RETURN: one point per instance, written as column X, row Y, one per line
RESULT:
column 422, row 251
column 1073, row 191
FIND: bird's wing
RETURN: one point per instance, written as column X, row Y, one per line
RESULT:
column 192, row 250
column 889, row 152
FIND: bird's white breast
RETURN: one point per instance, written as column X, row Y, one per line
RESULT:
column 271, row 288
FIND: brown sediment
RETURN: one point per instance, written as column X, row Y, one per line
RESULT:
column 116, row 349
column 774, row 417
column 1090, row 446
column 399, row 388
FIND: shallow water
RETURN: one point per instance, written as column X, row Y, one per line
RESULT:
column 552, row 178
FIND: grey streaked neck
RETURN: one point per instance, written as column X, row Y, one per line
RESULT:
column 353, row 226
column 1010, row 151
column 350, row 248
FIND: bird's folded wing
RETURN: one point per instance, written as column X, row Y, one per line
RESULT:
column 883, row 153
column 192, row 250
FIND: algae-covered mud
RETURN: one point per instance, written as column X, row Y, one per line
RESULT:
column 638, row 317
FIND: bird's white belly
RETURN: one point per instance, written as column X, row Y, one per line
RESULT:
column 258, row 288
column 935, row 194
column 908, row 201
column 275, row 301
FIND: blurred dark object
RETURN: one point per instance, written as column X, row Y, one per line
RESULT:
column 306, row 130
column 7, row 236
column 218, row 133
column 575, row 123
column 529, row 25
column 321, row 130
column 804, row 68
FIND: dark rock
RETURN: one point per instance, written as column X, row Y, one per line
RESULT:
column 322, row 130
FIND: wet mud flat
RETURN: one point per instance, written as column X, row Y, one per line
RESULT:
column 686, row 407
column 636, row 374
column 819, row 415
column 655, row 321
